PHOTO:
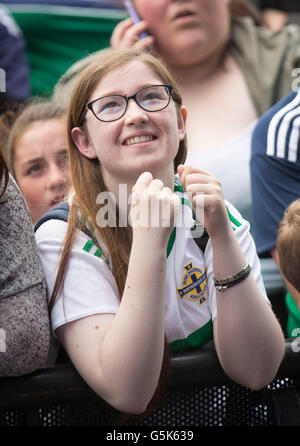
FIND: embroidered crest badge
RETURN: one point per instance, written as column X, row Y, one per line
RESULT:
column 193, row 283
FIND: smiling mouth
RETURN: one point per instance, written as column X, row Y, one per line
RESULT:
column 138, row 140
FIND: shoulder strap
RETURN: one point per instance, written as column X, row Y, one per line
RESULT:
column 58, row 212
column 61, row 212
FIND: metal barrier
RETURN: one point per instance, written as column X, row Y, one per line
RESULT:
column 198, row 394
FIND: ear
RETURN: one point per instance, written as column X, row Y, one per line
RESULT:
column 81, row 141
column 182, row 122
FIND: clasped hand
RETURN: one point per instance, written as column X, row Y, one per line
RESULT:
column 205, row 192
column 153, row 207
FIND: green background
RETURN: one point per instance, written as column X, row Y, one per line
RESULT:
column 56, row 37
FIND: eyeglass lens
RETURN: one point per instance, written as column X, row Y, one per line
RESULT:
column 153, row 98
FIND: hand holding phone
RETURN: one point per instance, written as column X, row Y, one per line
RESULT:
column 134, row 15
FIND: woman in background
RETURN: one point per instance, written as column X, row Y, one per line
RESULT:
column 36, row 153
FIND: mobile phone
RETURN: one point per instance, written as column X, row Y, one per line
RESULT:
column 134, row 15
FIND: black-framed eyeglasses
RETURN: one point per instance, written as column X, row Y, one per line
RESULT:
column 113, row 107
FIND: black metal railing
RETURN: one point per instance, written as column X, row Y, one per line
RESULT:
column 198, row 394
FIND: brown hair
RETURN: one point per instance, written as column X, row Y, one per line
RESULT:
column 36, row 111
column 288, row 244
column 86, row 174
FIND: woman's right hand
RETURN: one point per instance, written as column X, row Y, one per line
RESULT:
column 126, row 35
column 154, row 208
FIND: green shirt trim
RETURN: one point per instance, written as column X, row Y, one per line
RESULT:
column 233, row 219
column 98, row 253
column 187, row 202
column 171, row 242
column 196, row 339
column 177, row 188
column 88, row 246
column 293, row 316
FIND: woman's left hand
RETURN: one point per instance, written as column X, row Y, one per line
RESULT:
column 205, row 193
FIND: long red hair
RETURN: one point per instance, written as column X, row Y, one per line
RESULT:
column 87, row 180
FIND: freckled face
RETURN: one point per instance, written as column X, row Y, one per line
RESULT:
column 188, row 30
column 41, row 165
column 123, row 157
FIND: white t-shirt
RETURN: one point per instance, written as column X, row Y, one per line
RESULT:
column 90, row 288
column 229, row 163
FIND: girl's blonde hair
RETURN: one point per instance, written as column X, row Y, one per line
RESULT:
column 86, row 173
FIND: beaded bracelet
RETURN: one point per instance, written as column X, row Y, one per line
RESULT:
column 234, row 279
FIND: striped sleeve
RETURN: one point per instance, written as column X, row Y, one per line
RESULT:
column 275, row 169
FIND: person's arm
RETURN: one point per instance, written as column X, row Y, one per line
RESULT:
column 120, row 356
column 248, row 338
